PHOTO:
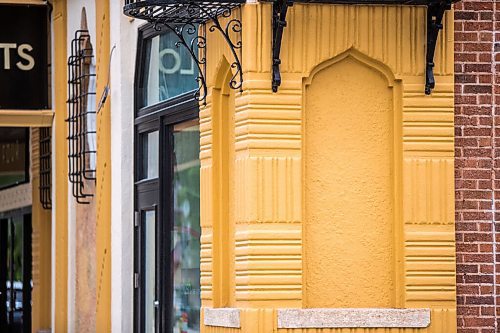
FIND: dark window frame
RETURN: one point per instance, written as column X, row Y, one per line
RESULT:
column 149, row 194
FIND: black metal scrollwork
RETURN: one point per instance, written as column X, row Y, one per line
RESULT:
column 435, row 13
column 194, row 41
column 280, row 8
column 189, row 21
column 233, row 25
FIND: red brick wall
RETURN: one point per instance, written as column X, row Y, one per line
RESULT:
column 477, row 164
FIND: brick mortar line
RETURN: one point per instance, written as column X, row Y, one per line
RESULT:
column 493, row 187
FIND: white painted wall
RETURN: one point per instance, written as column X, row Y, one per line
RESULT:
column 124, row 39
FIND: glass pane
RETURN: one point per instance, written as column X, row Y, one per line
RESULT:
column 186, row 230
column 169, row 69
column 150, row 152
column 149, row 241
column 15, row 274
column 13, row 143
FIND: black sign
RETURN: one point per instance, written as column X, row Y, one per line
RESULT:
column 24, row 57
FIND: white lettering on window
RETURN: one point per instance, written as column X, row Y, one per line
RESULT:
column 177, row 61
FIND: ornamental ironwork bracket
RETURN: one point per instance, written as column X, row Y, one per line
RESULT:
column 435, row 14
column 189, row 21
column 280, row 8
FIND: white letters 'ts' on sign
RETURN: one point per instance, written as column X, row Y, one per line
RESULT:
column 22, row 52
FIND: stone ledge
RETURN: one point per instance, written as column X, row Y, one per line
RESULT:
column 222, row 317
column 353, row 318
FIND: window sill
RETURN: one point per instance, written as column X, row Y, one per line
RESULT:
column 222, row 317
column 354, row 318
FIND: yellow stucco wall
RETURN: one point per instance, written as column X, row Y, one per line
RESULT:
column 103, row 176
column 349, row 186
column 342, row 193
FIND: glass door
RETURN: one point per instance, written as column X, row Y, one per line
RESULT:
column 185, row 227
column 167, row 237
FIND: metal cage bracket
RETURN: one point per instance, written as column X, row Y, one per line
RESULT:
column 82, row 133
column 435, row 14
column 189, row 21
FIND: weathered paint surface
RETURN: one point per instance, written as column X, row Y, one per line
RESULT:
column 344, row 177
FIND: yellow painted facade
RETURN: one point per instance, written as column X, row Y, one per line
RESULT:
column 337, row 191
column 60, row 239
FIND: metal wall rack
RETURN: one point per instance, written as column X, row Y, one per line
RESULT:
column 81, row 116
column 45, row 171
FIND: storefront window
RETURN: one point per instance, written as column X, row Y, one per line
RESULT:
column 150, row 161
column 169, row 70
column 167, row 189
column 185, row 242
column 13, row 156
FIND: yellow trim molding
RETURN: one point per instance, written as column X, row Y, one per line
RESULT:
column 31, row 118
column 24, row 2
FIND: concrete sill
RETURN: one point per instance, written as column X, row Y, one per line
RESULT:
column 354, row 318
column 222, row 317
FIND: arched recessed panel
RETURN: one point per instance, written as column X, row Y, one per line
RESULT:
column 223, row 154
column 349, row 187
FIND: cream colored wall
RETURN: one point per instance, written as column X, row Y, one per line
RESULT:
column 279, row 226
column 124, row 37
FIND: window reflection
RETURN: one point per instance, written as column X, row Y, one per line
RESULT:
column 150, row 163
column 149, row 223
column 13, row 168
column 186, row 231
column 169, row 70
